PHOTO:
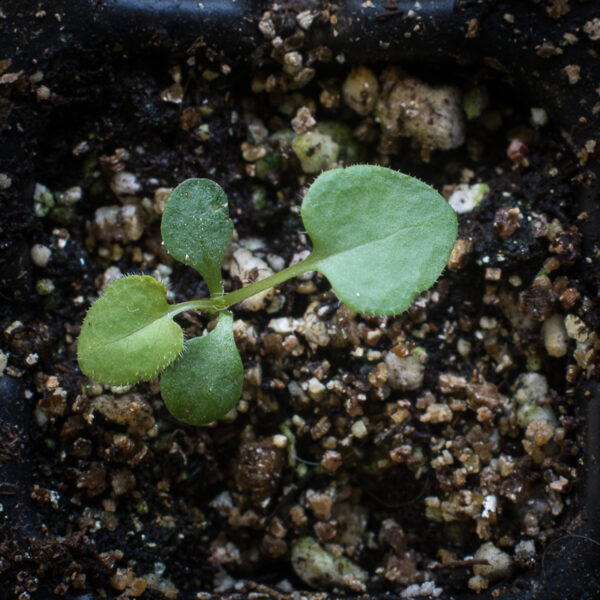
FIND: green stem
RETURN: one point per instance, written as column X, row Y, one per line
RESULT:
column 217, row 303
column 205, row 304
column 264, row 284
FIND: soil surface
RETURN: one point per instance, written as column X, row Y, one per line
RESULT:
column 429, row 454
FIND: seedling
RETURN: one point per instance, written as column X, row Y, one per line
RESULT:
column 380, row 238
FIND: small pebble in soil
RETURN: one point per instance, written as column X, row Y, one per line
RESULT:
column 318, row 568
column 161, row 195
column 404, row 373
column 538, row 300
column 303, row 121
column 555, row 336
column 70, row 196
column 431, row 115
column 592, row 29
column 572, row 73
column 506, row 221
column 466, row 198
column 43, row 200
column 499, row 562
column 258, row 469
column 361, row 90
column 315, row 151
column 40, row 255
column 119, row 223
column 539, row 116
column 247, row 267
column 533, row 400
column 125, row 184
column 518, row 152
column 44, row 287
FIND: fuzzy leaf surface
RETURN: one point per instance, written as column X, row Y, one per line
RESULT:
column 128, row 334
column 205, row 383
column 379, row 236
column 196, row 228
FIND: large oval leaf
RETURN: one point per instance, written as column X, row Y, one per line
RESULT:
column 379, row 236
column 205, row 383
column 128, row 334
column 196, row 228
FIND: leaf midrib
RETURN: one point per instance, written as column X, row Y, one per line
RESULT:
column 318, row 258
column 132, row 333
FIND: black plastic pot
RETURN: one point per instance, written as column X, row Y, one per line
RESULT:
column 524, row 48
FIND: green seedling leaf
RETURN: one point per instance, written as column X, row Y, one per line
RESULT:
column 379, row 236
column 196, row 228
column 205, row 383
column 128, row 334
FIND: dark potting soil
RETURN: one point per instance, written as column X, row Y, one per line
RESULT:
column 407, row 484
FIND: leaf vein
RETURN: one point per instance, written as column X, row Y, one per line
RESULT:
column 376, row 240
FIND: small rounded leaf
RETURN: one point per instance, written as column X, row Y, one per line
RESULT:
column 379, row 236
column 196, row 228
column 205, row 383
column 128, row 334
